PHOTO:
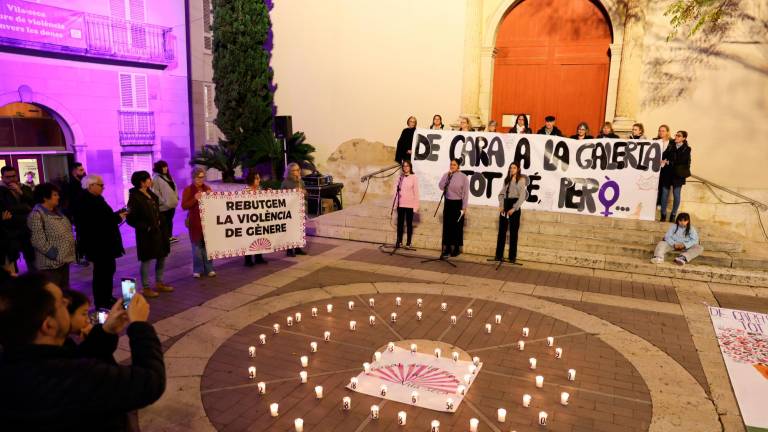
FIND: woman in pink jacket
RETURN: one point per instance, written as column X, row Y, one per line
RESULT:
column 407, row 198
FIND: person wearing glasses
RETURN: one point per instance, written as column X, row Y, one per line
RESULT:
column 98, row 228
column 582, row 132
column 190, row 201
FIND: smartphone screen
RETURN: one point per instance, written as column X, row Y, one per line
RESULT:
column 129, row 289
column 101, row 315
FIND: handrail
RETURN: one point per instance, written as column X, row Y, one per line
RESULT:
column 366, row 177
column 760, row 205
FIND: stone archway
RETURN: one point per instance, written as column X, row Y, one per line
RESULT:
column 73, row 133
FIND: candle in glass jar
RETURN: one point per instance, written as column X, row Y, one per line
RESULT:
column 558, row 353
column 327, row 336
column 374, row 412
column 539, row 381
column 476, row 361
column 468, row 378
column 418, row 315
column 367, row 367
column 438, row 352
column 550, row 341
column 273, row 409
column 455, row 356
column 383, row 390
column 346, row 403
column 262, row 387
column 298, row 317
column 276, row 328
column 252, row 351
column 313, row 347
column 319, row 392
column 414, row 396
column 353, row 325
column 461, row 389
column 520, row 345
column 252, row 372
column 542, row 418
column 298, row 424
column 564, row 396
column 453, row 319
column 401, row 418
column 391, row 346
column 371, row 302
column 289, row 321
column 393, row 317
column 262, row 339
column 434, row 426
column 314, row 312
column 488, row 328
column 532, row 362
column 351, row 305
column 398, row 301
column 413, row 348
column 473, row 424
column 371, row 320
column 525, row 331
column 472, row 369
column 449, row 404
column 419, row 303
column 377, row 356
column 443, row 306
column 501, row 415
column 469, row 313
column 329, row 308
column 526, row 400
column 353, row 383
column 304, row 361
column 498, row 319
column 571, row 374
column 303, row 377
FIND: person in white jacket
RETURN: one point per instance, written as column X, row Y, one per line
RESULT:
column 164, row 187
column 681, row 237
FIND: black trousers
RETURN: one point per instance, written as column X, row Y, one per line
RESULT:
column 166, row 218
column 453, row 228
column 513, row 223
column 103, row 275
column 404, row 217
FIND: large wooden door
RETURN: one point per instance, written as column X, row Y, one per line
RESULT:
column 552, row 58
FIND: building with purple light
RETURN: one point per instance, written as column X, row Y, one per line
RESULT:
column 101, row 82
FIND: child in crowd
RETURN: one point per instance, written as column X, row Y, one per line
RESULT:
column 79, row 321
column 681, row 237
column 96, row 340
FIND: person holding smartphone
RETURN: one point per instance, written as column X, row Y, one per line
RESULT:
column 87, row 337
column 48, row 386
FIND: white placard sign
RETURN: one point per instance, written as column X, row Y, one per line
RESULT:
column 743, row 339
column 246, row 222
column 602, row 177
column 403, row 372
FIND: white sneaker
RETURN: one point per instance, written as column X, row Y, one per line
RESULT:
column 657, row 260
column 212, row 274
column 196, row 275
column 680, row 260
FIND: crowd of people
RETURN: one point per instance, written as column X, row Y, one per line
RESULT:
column 675, row 168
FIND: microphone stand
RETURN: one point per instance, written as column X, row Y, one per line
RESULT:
column 442, row 258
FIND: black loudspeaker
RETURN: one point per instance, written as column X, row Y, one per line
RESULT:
column 283, row 126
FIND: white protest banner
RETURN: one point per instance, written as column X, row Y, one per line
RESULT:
column 403, row 372
column 247, row 222
column 603, row 177
column 743, row 339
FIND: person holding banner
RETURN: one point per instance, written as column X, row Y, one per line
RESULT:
column 403, row 149
column 294, row 181
column 582, row 132
column 511, row 199
column 455, row 187
column 437, row 122
column 464, row 124
column 407, row 196
column 521, row 125
column 253, row 184
column 549, row 127
column 190, row 201
column 638, row 132
column 607, row 131
column 491, row 126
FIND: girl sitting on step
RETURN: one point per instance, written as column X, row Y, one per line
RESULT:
column 681, row 237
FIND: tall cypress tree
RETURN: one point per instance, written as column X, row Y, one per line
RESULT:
column 242, row 42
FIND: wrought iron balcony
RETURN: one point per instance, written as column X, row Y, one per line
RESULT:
column 123, row 39
column 137, row 128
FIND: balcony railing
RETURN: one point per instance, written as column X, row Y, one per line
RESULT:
column 123, row 39
column 136, row 128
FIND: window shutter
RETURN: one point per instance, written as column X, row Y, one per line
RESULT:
column 117, row 8
column 140, row 92
column 126, row 91
column 131, row 163
column 207, row 16
column 136, row 8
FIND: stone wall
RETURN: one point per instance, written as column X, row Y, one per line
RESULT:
column 355, row 158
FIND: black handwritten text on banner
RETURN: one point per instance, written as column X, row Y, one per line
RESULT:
column 605, row 177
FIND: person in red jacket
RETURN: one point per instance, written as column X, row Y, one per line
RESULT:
column 190, row 201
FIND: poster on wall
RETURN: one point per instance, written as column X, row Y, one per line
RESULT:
column 743, row 340
column 403, row 372
column 603, row 177
column 29, row 172
column 39, row 24
column 246, row 222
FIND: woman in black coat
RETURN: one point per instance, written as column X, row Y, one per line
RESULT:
column 676, row 167
column 403, row 150
column 100, row 240
column 152, row 239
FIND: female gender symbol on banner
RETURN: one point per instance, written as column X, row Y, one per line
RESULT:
column 606, row 202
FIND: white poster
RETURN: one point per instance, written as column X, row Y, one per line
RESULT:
column 743, row 339
column 28, row 172
column 246, row 222
column 602, row 177
column 435, row 380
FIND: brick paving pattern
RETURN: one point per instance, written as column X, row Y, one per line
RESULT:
column 608, row 395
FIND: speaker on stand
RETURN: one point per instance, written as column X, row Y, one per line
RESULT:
column 283, row 131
